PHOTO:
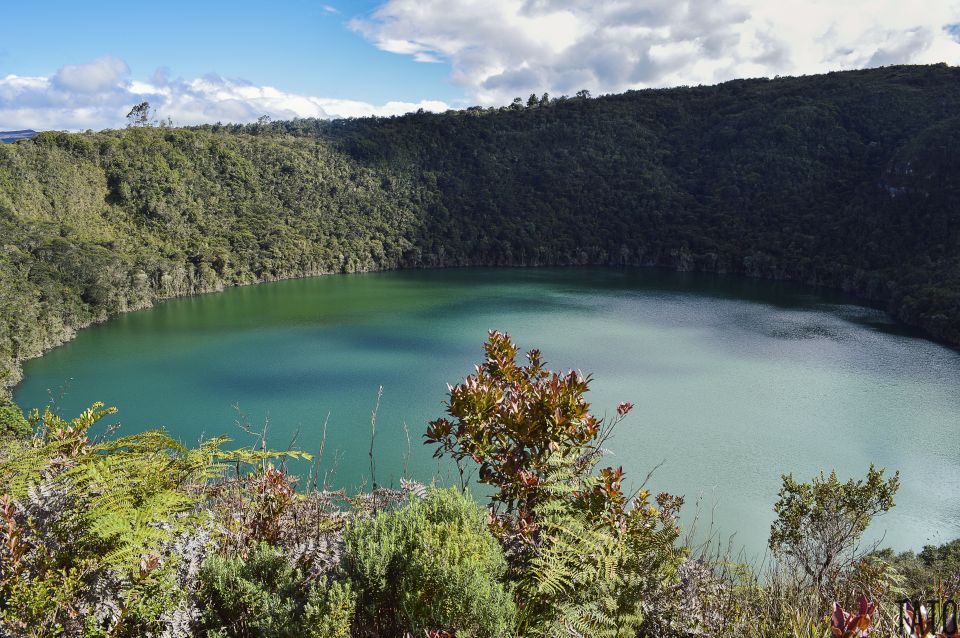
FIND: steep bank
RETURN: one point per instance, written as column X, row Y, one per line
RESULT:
column 846, row 180
column 93, row 225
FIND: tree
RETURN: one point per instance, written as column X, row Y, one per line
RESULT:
column 584, row 556
column 545, row 99
column 532, row 100
column 524, row 425
column 583, row 94
column 819, row 524
column 139, row 115
column 517, row 103
column 513, row 420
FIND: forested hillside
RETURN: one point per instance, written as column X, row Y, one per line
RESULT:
column 848, row 180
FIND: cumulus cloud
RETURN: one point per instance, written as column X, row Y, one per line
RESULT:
column 501, row 48
column 102, row 74
column 100, row 94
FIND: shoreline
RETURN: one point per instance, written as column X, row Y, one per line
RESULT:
column 16, row 372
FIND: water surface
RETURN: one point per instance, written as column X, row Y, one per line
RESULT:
column 734, row 381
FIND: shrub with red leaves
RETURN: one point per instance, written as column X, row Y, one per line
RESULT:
column 514, row 421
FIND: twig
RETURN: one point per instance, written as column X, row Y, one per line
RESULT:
column 373, row 435
column 406, row 457
column 333, row 469
column 646, row 480
column 315, row 467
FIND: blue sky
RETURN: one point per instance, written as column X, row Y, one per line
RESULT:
column 299, row 45
column 78, row 65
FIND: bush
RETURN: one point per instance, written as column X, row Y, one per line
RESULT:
column 522, row 424
column 329, row 610
column 586, row 559
column 87, row 528
column 590, row 579
column 819, row 524
column 264, row 597
column 12, row 421
column 935, row 571
column 431, row 565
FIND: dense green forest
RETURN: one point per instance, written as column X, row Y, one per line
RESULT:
column 847, row 180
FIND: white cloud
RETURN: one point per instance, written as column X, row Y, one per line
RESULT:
column 102, row 74
column 99, row 95
column 502, row 48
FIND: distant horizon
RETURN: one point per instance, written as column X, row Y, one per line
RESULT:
column 123, row 125
column 234, row 62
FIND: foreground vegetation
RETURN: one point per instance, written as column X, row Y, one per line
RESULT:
column 138, row 536
column 846, row 180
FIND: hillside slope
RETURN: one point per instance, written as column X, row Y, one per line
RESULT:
column 848, row 180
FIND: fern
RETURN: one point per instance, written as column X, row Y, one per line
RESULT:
column 585, row 577
column 583, row 554
column 110, row 511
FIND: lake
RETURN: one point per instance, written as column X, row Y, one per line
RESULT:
column 734, row 381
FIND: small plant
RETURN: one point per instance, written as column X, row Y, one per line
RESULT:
column 270, row 495
column 92, row 526
column 264, row 597
column 87, row 525
column 12, row 421
column 431, row 565
column 329, row 610
column 849, row 625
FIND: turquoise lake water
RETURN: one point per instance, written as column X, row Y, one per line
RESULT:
column 734, row 381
